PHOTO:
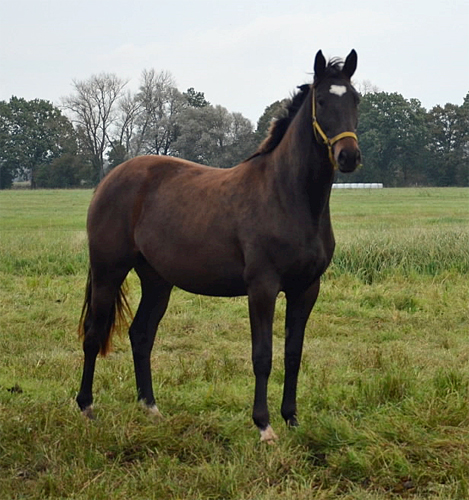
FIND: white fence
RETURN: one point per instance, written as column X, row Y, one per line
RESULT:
column 358, row 185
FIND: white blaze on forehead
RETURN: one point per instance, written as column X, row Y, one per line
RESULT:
column 339, row 90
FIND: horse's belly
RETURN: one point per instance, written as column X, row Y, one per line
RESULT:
column 225, row 287
column 205, row 274
column 205, row 281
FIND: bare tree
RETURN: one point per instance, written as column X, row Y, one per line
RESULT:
column 160, row 104
column 129, row 112
column 93, row 109
column 366, row 87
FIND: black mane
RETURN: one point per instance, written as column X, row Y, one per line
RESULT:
column 280, row 124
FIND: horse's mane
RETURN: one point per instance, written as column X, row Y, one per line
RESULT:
column 280, row 124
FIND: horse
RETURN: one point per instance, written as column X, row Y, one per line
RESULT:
column 256, row 229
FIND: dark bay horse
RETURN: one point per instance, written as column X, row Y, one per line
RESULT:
column 255, row 229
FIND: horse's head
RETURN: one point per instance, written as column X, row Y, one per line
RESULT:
column 334, row 110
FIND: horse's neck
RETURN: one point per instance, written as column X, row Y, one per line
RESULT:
column 301, row 165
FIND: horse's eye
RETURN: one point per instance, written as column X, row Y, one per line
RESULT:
column 321, row 102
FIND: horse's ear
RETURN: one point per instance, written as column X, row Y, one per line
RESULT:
column 319, row 65
column 350, row 64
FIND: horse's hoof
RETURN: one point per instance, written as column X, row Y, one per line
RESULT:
column 152, row 410
column 292, row 422
column 268, row 435
column 88, row 413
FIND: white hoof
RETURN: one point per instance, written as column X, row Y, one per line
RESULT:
column 154, row 412
column 268, row 435
column 88, row 413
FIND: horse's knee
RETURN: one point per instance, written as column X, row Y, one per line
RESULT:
column 262, row 364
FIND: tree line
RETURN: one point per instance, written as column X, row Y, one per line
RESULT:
column 101, row 124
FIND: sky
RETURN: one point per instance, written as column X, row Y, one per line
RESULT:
column 243, row 54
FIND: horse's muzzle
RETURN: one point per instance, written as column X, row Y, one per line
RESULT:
column 347, row 155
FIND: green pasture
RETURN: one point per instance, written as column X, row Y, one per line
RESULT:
column 383, row 393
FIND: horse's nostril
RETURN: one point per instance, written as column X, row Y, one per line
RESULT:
column 342, row 157
column 346, row 156
column 349, row 159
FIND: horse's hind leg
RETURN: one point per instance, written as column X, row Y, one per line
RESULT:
column 100, row 304
column 153, row 304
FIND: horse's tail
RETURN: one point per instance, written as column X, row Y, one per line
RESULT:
column 119, row 315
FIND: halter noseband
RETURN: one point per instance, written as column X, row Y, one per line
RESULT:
column 328, row 142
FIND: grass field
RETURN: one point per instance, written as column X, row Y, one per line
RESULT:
column 383, row 393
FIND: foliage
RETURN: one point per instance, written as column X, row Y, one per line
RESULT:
column 156, row 124
column 6, row 175
column 271, row 113
column 158, row 119
column 195, row 99
column 116, row 155
column 393, row 138
column 33, row 134
column 214, row 136
column 449, row 129
column 67, row 171
column 404, row 145
column 383, row 390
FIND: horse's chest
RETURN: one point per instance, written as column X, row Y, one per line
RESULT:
column 303, row 258
column 310, row 261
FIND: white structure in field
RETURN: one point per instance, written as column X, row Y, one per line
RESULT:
column 358, row 185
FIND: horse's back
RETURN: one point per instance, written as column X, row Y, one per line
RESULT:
column 121, row 193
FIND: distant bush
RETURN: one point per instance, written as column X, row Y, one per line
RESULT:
column 66, row 171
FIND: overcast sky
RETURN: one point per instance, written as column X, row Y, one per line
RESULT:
column 243, row 54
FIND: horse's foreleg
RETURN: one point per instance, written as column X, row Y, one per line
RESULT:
column 261, row 312
column 299, row 306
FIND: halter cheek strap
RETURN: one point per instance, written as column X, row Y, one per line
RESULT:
column 328, row 142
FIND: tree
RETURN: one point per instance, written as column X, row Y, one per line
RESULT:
column 449, row 130
column 33, row 134
column 66, row 171
column 7, row 166
column 241, row 138
column 195, row 99
column 93, row 108
column 156, row 124
column 276, row 110
column 366, row 87
column 116, row 155
column 129, row 109
column 464, row 123
column 393, row 140
column 211, row 135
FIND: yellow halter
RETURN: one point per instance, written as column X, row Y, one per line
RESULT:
column 328, row 142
